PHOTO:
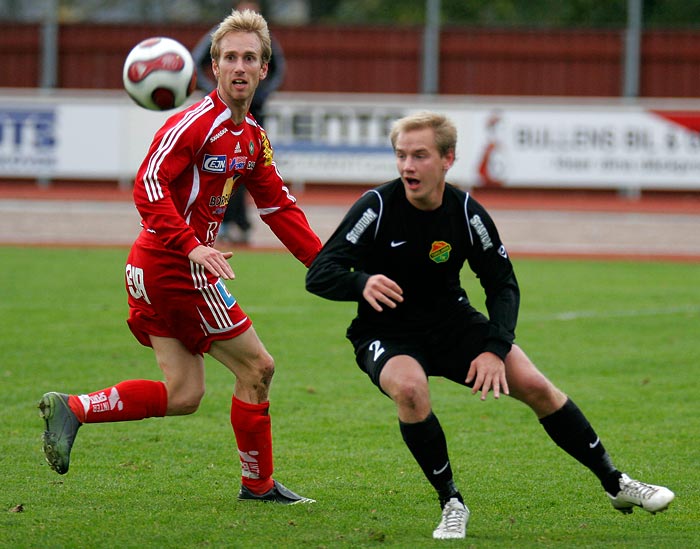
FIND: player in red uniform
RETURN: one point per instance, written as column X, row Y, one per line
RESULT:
column 178, row 302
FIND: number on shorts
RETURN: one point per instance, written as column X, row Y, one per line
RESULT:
column 377, row 349
column 134, row 280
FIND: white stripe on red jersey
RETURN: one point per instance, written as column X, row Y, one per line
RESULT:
column 196, row 161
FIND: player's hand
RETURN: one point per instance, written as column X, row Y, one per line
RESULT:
column 488, row 372
column 214, row 261
column 379, row 290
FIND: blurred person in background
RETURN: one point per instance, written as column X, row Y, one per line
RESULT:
column 399, row 252
column 236, row 226
column 179, row 304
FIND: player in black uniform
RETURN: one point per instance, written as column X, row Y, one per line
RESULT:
column 399, row 252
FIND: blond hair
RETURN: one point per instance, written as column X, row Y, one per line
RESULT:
column 445, row 131
column 243, row 21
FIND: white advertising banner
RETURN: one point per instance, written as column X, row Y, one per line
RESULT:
column 344, row 138
column 79, row 135
column 594, row 145
column 574, row 147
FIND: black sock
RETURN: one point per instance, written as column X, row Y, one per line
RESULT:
column 570, row 430
column 426, row 441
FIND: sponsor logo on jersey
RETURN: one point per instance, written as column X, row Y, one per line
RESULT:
column 223, row 199
column 237, row 163
column 440, row 251
column 480, row 229
column 214, row 163
column 251, row 165
column 218, row 134
column 502, row 252
column 267, row 149
column 361, row 226
column 237, row 150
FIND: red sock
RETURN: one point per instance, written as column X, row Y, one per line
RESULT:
column 126, row 401
column 252, row 427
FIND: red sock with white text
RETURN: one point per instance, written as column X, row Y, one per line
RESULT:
column 126, row 401
column 253, row 430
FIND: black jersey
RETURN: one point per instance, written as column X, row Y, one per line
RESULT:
column 423, row 252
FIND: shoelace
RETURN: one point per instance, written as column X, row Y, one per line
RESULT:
column 454, row 518
column 639, row 489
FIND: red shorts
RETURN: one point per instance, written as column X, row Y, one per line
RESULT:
column 169, row 296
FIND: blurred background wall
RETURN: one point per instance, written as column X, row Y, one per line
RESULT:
column 645, row 48
column 546, row 93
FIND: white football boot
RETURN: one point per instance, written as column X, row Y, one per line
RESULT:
column 455, row 517
column 654, row 499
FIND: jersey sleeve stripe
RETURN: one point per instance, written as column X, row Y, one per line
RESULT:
column 381, row 211
column 154, row 190
column 466, row 218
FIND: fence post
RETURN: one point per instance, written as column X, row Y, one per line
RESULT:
column 632, row 49
column 431, row 48
column 49, row 45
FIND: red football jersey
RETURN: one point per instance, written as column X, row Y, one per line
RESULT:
column 195, row 162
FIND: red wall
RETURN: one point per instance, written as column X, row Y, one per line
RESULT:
column 387, row 59
column 571, row 63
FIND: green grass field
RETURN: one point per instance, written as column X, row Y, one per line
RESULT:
column 622, row 338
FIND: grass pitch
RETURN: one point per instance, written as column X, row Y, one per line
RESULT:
column 622, row 338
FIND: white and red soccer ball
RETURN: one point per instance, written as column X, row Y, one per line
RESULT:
column 159, row 74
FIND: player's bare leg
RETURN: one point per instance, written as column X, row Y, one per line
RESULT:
column 570, row 430
column 126, row 401
column 250, row 362
column 253, row 367
column 404, row 380
column 184, row 375
column 530, row 386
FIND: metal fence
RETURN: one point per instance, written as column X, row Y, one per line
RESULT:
column 383, row 59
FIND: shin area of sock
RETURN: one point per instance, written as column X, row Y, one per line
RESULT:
column 126, row 401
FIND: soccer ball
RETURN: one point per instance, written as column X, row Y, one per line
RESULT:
column 159, row 74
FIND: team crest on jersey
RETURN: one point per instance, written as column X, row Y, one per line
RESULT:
column 440, row 251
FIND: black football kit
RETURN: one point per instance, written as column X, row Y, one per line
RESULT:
column 424, row 253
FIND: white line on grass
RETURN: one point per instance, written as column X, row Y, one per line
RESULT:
column 575, row 315
column 563, row 316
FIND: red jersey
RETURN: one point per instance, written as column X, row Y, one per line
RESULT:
column 195, row 162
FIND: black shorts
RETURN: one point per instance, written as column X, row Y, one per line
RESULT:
column 446, row 350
